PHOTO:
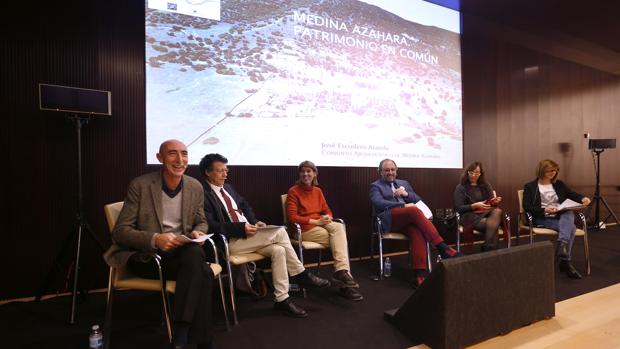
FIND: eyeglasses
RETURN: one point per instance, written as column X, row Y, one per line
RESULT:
column 474, row 173
column 220, row 171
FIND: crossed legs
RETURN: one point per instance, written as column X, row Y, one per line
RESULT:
column 489, row 225
column 277, row 246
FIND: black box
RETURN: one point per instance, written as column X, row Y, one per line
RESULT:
column 607, row 143
column 74, row 100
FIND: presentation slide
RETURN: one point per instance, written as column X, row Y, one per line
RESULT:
column 340, row 83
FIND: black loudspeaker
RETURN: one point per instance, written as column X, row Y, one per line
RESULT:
column 469, row 299
column 74, row 100
column 605, row 143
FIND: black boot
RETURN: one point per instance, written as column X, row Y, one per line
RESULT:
column 486, row 247
column 561, row 250
column 568, row 268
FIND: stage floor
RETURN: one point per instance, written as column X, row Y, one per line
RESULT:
column 591, row 320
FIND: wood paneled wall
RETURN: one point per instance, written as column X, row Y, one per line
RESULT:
column 513, row 117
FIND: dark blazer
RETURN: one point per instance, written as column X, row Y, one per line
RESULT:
column 383, row 199
column 531, row 196
column 141, row 216
column 217, row 215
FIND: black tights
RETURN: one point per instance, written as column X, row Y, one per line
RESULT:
column 490, row 227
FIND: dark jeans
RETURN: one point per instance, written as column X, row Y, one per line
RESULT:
column 564, row 224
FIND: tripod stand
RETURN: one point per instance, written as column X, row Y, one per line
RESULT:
column 598, row 198
column 80, row 226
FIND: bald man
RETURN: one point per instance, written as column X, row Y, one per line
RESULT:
column 158, row 207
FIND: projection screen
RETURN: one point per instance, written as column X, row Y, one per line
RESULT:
column 341, row 83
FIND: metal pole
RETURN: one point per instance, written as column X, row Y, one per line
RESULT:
column 80, row 215
column 597, row 189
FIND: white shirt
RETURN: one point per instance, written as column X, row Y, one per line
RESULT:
column 218, row 192
column 548, row 196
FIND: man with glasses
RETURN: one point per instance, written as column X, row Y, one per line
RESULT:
column 394, row 203
column 229, row 214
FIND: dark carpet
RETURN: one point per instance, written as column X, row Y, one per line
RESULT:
column 333, row 321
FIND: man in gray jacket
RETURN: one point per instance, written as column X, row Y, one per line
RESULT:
column 158, row 208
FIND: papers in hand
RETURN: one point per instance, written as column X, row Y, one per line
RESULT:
column 424, row 208
column 569, row 204
column 268, row 228
column 186, row 239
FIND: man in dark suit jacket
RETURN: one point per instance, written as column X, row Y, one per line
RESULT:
column 394, row 203
column 160, row 206
column 229, row 214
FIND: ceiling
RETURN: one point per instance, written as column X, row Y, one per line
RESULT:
column 594, row 21
column 585, row 32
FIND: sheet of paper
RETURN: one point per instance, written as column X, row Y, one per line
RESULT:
column 424, row 208
column 186, row 239
column 268, row 228
column 569, row 204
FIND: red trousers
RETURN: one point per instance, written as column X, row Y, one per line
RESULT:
column 411, row 222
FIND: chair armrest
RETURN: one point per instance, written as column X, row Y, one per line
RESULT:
column 530, row 220
column 583, row 220
column 222, row 238
column 294, row 231
column 376, row 225
column 507, row 218
column 212, row 244
column 339, row 220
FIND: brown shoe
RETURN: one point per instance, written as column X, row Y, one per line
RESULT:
column 351, row 294
column 342, row 278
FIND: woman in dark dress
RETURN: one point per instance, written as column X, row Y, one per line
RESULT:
column 476, row 202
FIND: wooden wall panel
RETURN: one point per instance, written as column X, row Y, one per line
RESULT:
column 512, row 118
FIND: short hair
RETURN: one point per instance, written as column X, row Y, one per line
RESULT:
column 547, row 165
column 472, row 166
column 206, row 163
column 309, row 164
column 381, row 164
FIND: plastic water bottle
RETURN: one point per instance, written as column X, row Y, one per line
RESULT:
column 387, row 267
column 95, row 339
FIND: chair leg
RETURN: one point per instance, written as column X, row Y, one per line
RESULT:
column 586, row 247
column 372, row 246
column 221, row 284
column 166, row 301
column 380, row 257
column 507, row 233
column 108, row 310
column 231, row 288
column 219, row 280
column 429, row 264
column 586, row 251
column 318, row 265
